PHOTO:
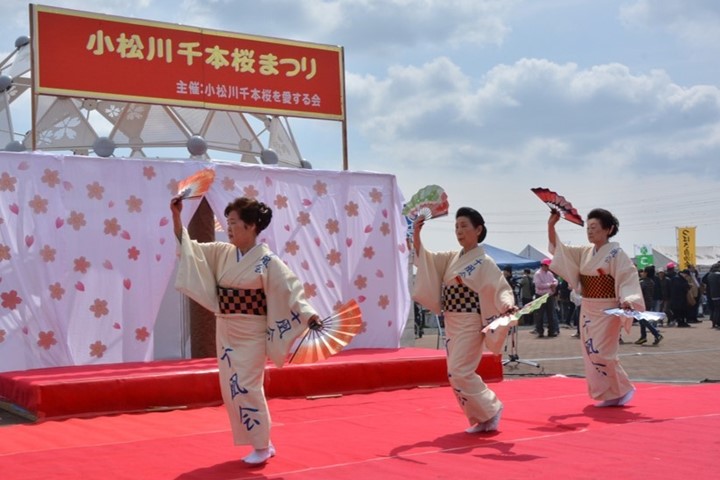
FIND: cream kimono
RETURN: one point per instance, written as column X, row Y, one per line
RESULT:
column 606, row 279
column 245, row 340
column 440, row 273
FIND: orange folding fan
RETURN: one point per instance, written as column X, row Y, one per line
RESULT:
column 197, row 184
column 330, row 336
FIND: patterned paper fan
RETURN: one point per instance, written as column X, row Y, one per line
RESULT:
column 431, row 197
column 424, row 212
column 559, row 204
column 512, row 318
column 197, row 184
column 650, row 316
column 332, row 335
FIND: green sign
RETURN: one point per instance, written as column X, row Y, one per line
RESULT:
column 643, row 261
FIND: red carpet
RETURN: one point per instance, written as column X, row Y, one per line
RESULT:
column 549, row 430
column 130, row 387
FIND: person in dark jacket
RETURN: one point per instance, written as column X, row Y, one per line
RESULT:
column 678, row 298
column 647, row 285
column 712, row 288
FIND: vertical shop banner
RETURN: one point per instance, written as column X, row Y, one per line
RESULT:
column 81, row 54
column 644, row 256
column 686, row 247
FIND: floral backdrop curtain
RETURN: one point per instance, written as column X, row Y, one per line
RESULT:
column 87, row 249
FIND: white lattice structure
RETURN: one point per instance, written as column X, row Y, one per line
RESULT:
column 87, row 126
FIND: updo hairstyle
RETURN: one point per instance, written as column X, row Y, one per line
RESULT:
column 251, row 212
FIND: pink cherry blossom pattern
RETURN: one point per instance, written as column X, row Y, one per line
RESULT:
column 133, row 253
column 14, row 208
column 250, row 191
column 330, row 284
column 360, row 282
column 334, row 257
column 125, row 234
column 108, row 265
column 310, row 290
column 67, row 186
column 158, row 257
column 317, row 241
column 80, row 286
column 111, row 204
column 29, row 240
column 99, row 308
column 368, row 228
column 11, row 299
column 141, row 334
column 383, row 301
column 305, row 265
column 59, row 222
column 162, row 241
column 348, row 242
column 385, row 212
column 127, row 283
column 268, row 181
column 379, row 273
column 361, row 298
column 164, row 221
column 25, row 330
column 97, row 349
column 287, row 227
column 23, row 165
column 306, row 202
column 46, row 340
column 117, row 326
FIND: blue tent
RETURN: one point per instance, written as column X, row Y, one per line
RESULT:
column 504, row 258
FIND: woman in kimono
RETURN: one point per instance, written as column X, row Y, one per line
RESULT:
column 469, row 289
column 607, row 279
column 260, row 309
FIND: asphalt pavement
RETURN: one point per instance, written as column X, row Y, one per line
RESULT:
column 685, row 355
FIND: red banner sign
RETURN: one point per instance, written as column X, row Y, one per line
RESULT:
column 79, row 54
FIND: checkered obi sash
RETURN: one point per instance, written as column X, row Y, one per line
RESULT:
column 245, row 302
column 594, row 286
column 460, row 298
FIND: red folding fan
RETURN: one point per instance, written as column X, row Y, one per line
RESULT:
column 559, row 204
column 197, row 184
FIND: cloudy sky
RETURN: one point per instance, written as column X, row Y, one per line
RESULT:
column 613, row 103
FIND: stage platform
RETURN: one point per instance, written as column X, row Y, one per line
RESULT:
column 549, row 430
column 78, row 391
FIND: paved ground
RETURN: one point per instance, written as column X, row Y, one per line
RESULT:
column 684, row 355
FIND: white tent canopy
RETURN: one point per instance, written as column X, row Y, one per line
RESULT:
column 705, row 256
column 535, row 253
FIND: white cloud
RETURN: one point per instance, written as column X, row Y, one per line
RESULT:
column 694, row 21
column 479, row 97
column 538, row 109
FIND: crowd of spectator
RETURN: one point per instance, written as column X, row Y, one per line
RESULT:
column 684, row 296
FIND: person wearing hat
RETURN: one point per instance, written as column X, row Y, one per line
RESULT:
column 607, row 279
column 469, row 289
